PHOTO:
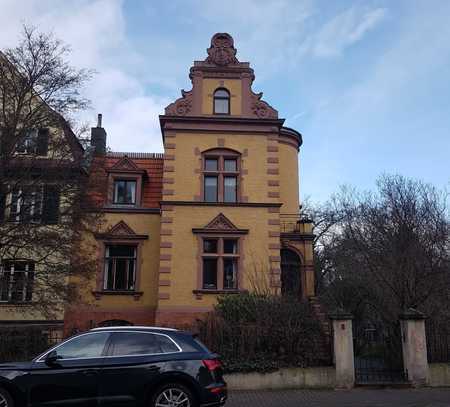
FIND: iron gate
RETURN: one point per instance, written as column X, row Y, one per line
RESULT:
column 378, row 353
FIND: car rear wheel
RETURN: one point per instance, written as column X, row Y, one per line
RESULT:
column 172, row 395
column 5, row 399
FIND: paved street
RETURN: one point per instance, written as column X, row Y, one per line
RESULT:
column 354, row 398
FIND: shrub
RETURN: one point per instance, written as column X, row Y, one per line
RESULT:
column 254, row 332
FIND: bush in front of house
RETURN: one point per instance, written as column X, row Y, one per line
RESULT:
column 262, row 333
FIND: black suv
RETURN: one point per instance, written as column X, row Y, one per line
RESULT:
column 118, row 366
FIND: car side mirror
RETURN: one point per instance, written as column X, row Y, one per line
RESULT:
column 51, row 358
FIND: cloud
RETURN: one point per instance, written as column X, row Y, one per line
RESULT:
column 344, row 30
column 96, row 32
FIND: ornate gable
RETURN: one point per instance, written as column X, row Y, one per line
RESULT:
column 221, row 63
column 220, row 224
column 125, row 164
column 120, row 231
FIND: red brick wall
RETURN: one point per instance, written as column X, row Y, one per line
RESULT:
column 177, row 319
column 84, row 319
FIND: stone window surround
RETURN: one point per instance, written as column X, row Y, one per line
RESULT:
column 125, row 176
column 221, row 88
column 220, row 236
column 221, row 154
column 135, row 242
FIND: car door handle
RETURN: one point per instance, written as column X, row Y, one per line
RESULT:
column 90, row 372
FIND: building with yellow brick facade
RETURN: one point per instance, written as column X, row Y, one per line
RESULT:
column 217, row 213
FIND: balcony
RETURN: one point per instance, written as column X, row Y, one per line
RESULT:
column 296, row 226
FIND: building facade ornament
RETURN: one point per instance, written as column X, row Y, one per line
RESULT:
column 222, row 51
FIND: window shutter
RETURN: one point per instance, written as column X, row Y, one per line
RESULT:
column 2, row 206
column 42, row 142
column 50, row 212
column 13, row 213
column 36, row 197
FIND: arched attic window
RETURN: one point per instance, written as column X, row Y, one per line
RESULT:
column 221, row 101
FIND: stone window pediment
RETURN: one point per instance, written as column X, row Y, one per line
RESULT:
column 220, row 224
column 120, row 231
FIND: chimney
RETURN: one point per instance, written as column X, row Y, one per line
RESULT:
column 98, row 137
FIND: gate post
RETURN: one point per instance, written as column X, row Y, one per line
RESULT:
column 414, row 344
column 343, row 350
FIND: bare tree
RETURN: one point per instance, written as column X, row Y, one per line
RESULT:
column 44, row 182
column 387, row 251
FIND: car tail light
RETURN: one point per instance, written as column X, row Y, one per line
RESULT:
column 212, row 364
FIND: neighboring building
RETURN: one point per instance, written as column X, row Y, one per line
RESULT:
column 217, row 213
column 30, row 201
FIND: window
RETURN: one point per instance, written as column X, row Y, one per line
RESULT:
column 34, row 141
column 220, row 176
column 26, row 204
column 16, row 281
column 120, row 268
column 220, row 257
column 140, row 343
column 124, row 192
column 37, row 203
column 211, row 190
column 85, row 346
column 221, row 101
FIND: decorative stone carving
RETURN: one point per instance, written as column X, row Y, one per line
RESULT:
column 222, row 51
column 125, row 164
column 182, row 106
column 221, row 222
column 121, row 229
column 262, row 109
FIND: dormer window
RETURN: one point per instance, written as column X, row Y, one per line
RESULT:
column 124, row 192
column 221, row 101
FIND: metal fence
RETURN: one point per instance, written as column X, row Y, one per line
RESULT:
column 22, row 344
column 438, row 342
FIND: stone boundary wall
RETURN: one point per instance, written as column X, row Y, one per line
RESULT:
column 314, row 378
column 288, row 378
column 439, row 374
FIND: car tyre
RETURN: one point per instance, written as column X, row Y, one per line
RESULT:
column 171, row 394
column 5, row 398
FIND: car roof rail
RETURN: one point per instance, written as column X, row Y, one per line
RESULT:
column 134, row 327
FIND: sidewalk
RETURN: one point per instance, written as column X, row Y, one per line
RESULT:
column 353, row 398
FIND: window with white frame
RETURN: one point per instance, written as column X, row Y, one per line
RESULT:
column 120, row 267
column 16, row 281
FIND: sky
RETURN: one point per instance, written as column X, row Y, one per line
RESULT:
column 367, row 83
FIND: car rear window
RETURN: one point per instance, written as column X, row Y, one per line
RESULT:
column 166, row 344
column 201, row 344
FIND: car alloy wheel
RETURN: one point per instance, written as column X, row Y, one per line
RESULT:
column 171, row 397
column 3, row 401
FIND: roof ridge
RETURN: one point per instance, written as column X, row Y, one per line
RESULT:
column 120, row 154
